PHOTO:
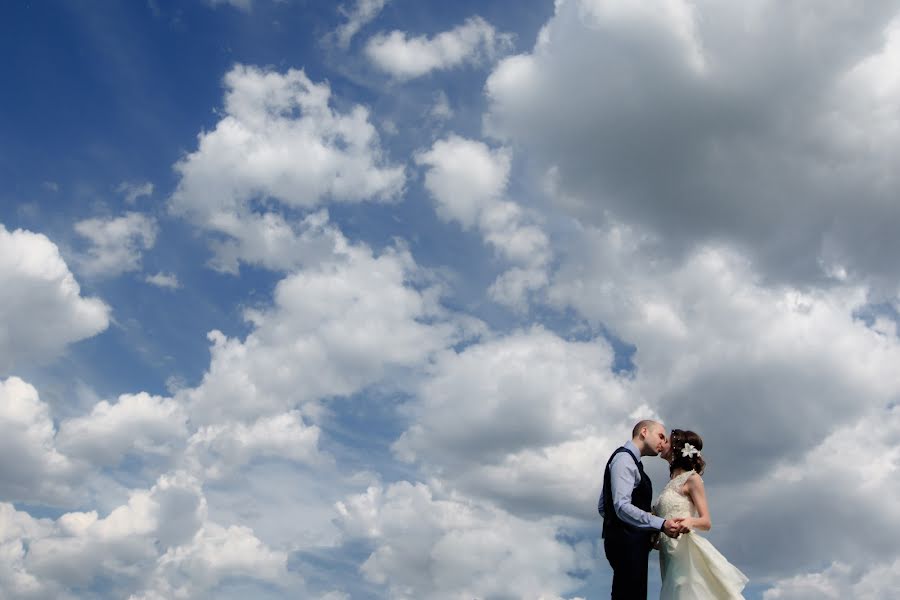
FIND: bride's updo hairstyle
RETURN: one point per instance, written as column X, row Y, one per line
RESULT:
column 692, row 462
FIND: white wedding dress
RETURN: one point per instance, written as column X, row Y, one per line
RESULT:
column 692, row 569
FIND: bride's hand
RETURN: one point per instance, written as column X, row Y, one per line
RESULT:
column 686, row 524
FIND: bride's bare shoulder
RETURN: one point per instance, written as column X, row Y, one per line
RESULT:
column 691, row 480
column 694, row 481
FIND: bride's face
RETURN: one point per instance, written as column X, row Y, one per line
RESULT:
column 666, row 454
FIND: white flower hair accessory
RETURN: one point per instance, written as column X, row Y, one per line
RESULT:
column 689, row 450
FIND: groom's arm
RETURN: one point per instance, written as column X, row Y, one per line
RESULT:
column 623, row 476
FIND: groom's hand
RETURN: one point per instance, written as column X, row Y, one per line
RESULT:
column 672, row 527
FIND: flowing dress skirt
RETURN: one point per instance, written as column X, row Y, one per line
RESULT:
column 692, row 569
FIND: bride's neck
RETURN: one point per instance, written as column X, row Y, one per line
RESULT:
column 676, row 472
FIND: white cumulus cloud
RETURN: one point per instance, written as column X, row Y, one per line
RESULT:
column 520, row 419
column 164, row 280
column 279, row 146
column 116, row 243
column 468, row 180
column 215, row 554
column 138, row 424
column 42, row 310
column 32, row 469
column 839, row 581
column 333, row 329
column 17, row 530
column 159, row 544
column 407, row 57
column 215, row 450
column 429, row 545
column 678, row 116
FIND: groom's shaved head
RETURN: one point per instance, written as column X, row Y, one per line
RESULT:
column 654, row 441
column 649, row 424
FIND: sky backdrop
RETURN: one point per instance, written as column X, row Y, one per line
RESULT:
column 303, row 299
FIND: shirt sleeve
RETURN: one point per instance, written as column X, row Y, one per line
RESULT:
column 623, row 475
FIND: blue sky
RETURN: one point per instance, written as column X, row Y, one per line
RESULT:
column 292, row 308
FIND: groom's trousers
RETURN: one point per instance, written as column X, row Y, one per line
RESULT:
column 628, row 553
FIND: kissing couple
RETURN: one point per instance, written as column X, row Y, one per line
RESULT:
column 691, row 567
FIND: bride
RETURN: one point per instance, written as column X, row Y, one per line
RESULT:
column 691, row 567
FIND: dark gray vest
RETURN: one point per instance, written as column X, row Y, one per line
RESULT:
column 641, row 497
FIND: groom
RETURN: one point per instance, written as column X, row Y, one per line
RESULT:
column 625, row 508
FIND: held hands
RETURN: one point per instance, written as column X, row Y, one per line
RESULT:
column 671, row 528
column 675, row 527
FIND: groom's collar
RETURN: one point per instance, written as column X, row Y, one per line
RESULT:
column 629, row 445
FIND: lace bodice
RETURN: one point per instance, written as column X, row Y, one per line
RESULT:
column 673, row 504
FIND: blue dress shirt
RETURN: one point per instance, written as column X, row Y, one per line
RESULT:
column 624, row 476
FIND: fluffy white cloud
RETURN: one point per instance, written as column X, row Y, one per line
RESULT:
column 279, row 145
column 138, row 424
column 404, row 57
column 840, row 479
column 124, row 544
column 116, row 243
column 164, row 280
column 159, row 544
column 42, row 310
column 468, row 180
column 217, row 449
column 840, row 581
column 530, row 388
column 523, row 420
column 465, row 177
column 430, row 545
column 678, row 116
column 334, row 329
column 274, row 242
column 514, row 286
column 215, row 554
column 17, row 530
column 31, row 467
column 362, row 13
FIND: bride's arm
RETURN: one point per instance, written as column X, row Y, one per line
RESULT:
column 697, row 493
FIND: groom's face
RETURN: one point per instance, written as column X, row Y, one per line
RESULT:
column 657, row 440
